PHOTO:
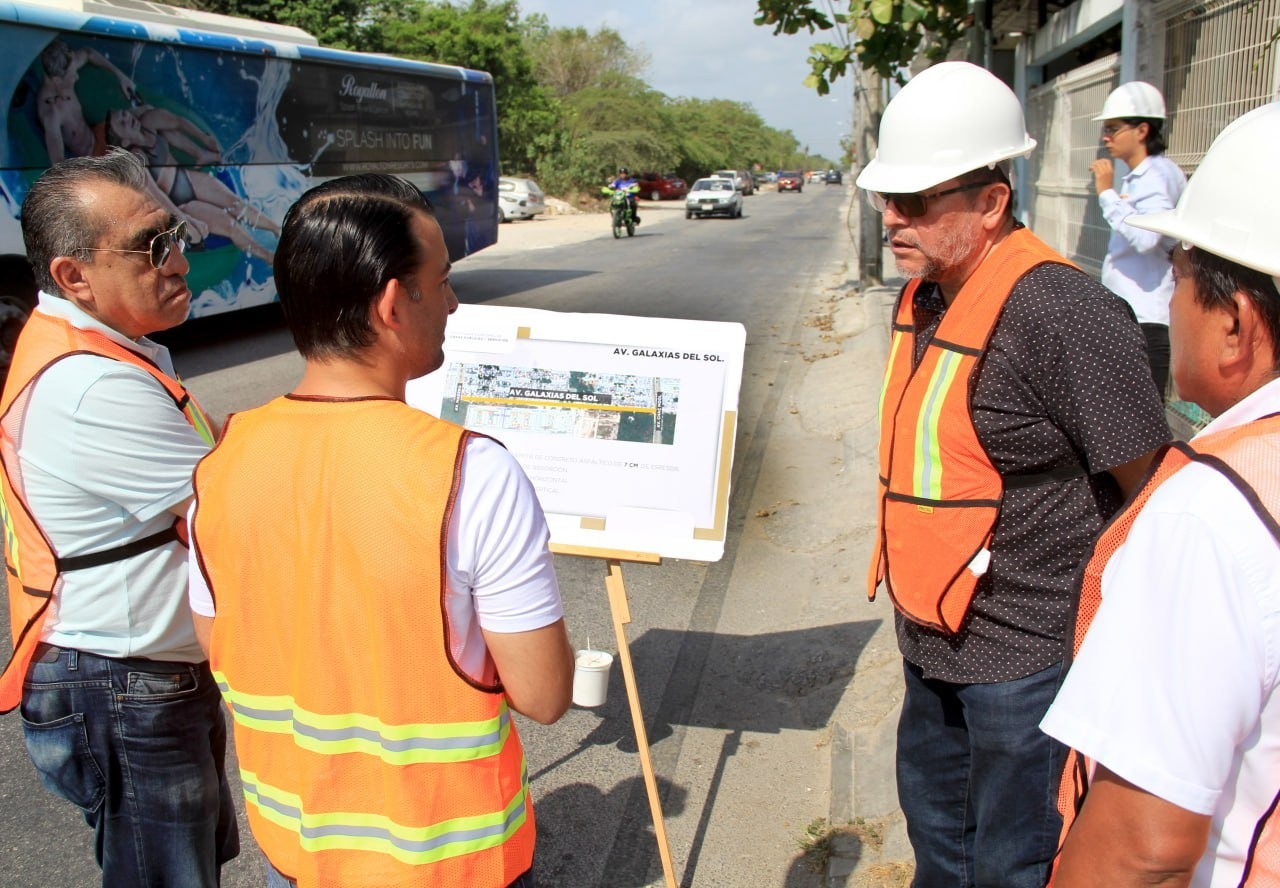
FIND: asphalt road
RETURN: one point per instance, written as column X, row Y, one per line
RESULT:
column 592, row 811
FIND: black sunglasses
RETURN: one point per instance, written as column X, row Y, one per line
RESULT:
column 914, row 205
column 159, row 249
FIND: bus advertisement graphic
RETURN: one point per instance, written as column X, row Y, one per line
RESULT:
column 233, row 130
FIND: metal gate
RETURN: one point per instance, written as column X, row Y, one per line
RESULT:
column 1062, row 206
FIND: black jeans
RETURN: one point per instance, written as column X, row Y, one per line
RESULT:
column 1157, row 336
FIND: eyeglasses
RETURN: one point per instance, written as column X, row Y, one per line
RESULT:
column 1111, row 129
column 914, row 205
column 159, row 249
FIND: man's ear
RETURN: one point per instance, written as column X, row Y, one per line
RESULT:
column 68, row 273
column 388, row 307
column 994, row 200
column 1247, row 340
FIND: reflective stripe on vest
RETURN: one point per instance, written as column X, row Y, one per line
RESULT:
column 34, row 570
column 352, row 732
column 370, row 759
column 411, row 845
column 939, row 492
column 1240, row 455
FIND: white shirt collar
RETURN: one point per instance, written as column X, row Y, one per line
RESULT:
column 65, row 309
column 1257, row 404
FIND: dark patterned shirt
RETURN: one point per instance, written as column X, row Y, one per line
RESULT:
column 1064, row 383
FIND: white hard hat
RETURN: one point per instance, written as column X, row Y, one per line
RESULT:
column 1133, row 99
column 1231, row 206
column 948, row 120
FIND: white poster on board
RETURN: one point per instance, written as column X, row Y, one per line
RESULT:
column 625, row 425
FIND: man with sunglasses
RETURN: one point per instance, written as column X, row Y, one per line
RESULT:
column 1137, row 267
column 1017, row 411
column 98, row 441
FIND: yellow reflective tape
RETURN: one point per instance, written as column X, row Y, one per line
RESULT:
column 13, row 555
column 362, row 831
column 928, row 469
column 894, row 342
column 398, row 744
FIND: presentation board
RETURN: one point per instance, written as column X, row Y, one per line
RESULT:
column 625, row 425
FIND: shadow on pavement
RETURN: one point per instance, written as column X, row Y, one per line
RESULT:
column 788, row 680
column 475, row 285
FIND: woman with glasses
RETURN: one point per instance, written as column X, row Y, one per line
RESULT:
column 1137, row 267
column 196, row 197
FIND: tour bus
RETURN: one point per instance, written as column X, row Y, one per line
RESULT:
column 234, row 120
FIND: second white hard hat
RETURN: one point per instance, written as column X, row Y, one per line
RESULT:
column 1231, row 206
column 1133, row 99
column 948, row 120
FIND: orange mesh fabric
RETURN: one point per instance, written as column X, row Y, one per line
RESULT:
column 33, row 580
column 942, row 495
column 1249, row 456
column 321, row 528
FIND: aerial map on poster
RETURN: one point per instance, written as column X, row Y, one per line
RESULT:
column 625, row 425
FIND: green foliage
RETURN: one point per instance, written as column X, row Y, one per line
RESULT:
column 881, row 35
column 341, row 24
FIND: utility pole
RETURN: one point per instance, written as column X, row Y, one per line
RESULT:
column 868, row 104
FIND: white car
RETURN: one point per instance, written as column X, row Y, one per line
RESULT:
column 713, row 197
column 520, row 199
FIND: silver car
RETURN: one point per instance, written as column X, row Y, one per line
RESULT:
column 520, row 199
column 712, row 197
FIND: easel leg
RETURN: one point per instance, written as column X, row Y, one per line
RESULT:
column 621, row 611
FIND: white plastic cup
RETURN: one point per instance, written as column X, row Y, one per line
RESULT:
column 591, row 677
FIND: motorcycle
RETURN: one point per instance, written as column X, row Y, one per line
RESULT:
column 620, row 211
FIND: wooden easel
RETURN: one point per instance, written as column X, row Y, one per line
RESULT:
column 621, row 612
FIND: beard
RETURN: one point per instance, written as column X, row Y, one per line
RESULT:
column 953, row 247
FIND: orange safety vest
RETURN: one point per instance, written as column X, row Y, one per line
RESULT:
column 939, row 494
column 1247, row 456
column 35, row 570
column 368, row 758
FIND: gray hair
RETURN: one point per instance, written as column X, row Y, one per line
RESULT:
column 56, row 220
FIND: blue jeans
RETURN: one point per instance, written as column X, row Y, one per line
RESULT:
column 138, row 745
column 277, row 879
column 978, row 780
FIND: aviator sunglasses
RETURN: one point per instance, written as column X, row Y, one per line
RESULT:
column 159, row 249
column 915, row 205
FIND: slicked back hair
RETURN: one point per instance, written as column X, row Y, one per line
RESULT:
column 340, row 245
column 56, row 218
column 1217, row 281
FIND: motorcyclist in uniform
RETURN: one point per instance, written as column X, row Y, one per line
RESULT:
column 626, row 182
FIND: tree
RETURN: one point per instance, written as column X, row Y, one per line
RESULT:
column 568, row 60
column 342, row 24
column 882, row 35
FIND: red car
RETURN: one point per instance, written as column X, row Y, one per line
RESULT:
column 791, row 181
column 656, row 187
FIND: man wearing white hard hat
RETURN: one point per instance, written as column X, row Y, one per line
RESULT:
column 1137, row 267
column 1017, row 411
column 1172, row 703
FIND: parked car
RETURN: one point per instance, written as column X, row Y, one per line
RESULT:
column 790, row 180
column 741, row 180
column 834, row 177
column 657, row 187
column 713, row 196
column 520, row 199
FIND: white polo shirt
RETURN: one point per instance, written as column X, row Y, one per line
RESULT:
column 105, row 453
column 1174, row 688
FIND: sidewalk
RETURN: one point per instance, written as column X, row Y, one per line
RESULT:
column 868, row 846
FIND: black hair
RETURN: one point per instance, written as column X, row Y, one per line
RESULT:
column 57, row 220
column 992, row 175
column 340, row 245
column 1217, row 280
column 1154, row 142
